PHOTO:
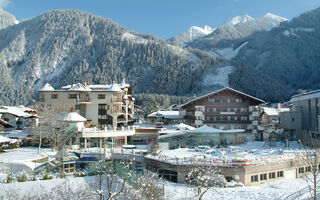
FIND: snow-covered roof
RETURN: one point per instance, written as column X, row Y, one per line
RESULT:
column 99, row 86
column 271, row 111
column 182, row 126
column 5, row 140
column 46, row 87
column 72, row 117
column 207, row 129
column 114, row 88
column 17, row 135
column 167, row 114
column 80, row 88
column 215, row 92
column 17, row 111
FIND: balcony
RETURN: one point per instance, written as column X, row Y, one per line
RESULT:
column 84, row 100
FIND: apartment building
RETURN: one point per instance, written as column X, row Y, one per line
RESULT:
column 226, row 108
column 101, row 105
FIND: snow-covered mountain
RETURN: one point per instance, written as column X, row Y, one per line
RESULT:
column 217, row 43
column 239, row 19
column 194, row 32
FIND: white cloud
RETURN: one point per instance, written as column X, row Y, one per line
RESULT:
column 4, row 3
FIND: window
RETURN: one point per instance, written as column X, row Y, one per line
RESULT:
column 235, row 118
column 254, row 178
column 263, row 177
column 54, row 96
column 235, row 109
column 228, row 100
column 102, row 117
column 77, row 107
column 102, row 106
column 214, row 109
column 280, row 174
column 72, row 96
column 101, row 96
column 229, row 118
column 272, row 175
column 308, row 169
column 301, row 170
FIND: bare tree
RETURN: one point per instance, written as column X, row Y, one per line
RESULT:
column 47, row 120
column 310, row 152
column 149, row 187
column 204, row 178
column 112, row 178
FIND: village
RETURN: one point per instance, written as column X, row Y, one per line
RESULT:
column 246, row 140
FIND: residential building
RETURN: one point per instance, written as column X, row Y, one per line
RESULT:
column 226, row 108
column 101, row 105
column 165, row 117
column 18, row 117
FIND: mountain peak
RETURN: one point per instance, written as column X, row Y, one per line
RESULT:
column 274, row 17
column 239, row 19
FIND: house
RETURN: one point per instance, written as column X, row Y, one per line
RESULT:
column 102, row 105
column 18, row 117
column 165, row 117
column 226, row 108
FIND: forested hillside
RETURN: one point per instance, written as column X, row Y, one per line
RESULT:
column 289, row 53
column 66, row 46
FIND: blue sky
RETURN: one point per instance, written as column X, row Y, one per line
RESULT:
column 163, row 18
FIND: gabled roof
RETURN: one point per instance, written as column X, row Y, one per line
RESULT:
column 226, row 88
column 72, row 117
column 114, row 88
column 16, row 111
column 46, row 87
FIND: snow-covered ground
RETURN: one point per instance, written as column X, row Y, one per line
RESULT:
column 173, row 191
column 273, row 190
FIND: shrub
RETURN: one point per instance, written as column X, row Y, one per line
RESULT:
column 46, row 177
column 22, row 178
